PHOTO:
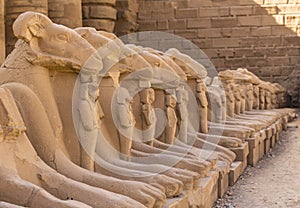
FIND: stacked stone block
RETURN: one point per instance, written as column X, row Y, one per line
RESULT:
column 100, row 14
column 67, row 12
column 262, row 35
column 13, row 8
column 127, row 17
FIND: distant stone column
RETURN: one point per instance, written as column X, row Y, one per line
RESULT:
column 2, row 32
column 100, row 14
column 127, row 17
column 66, row 12
column 13, row 8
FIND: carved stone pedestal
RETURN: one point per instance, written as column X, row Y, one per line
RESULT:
column 279, row 129
column 269, row 134
column 273, row 137
column 254, row 149
column 208, row 191
column 240, row 164
column 262, row 138
column 284, row 119
column 178, row 202
column 236, row 170
column 205, row 195
column 223, row 181
column 242, row 154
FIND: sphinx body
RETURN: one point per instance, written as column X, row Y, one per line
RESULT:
column 37, row 81
column 34, row 72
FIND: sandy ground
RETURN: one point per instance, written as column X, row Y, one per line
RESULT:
column 275, row 182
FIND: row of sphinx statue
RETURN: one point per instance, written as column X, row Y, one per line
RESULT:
column 88, row 121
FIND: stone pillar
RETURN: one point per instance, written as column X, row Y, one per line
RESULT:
column 13, row 8
column 100, row 14
column 66, row 12
column 2, row 32
column 127, row 17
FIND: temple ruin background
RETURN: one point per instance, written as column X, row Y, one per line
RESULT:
column 261, row 35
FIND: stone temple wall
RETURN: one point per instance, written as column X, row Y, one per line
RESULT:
column 127, row 17
column 100, row 14
column 67, row 12
column 13, row 8
column 262, row 35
